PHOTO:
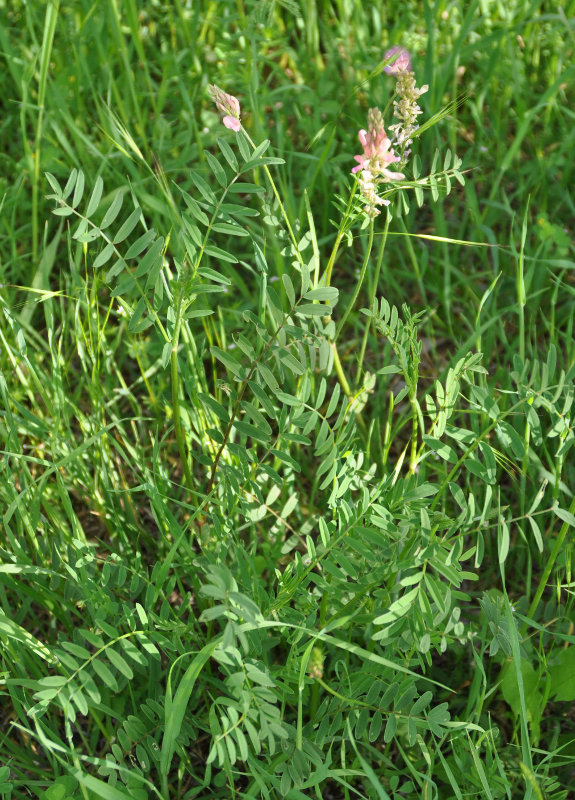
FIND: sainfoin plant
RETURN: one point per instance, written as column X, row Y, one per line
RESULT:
column 295, row 637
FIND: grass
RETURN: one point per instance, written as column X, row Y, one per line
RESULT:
column 287, row 495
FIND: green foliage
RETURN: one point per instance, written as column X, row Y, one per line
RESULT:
column 255, row 543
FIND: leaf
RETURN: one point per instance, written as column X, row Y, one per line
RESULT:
column 92, row 638
column 291, row 362
column 151, row 259
column 78, row 189
column 536, row 533
column 289, row 289
column 533, row 696
column 113, row 210
column 268, row 377
column 132, row 652
column 421, row 703
column 326, row 293
column 54, row 184
column 397, row 609
column 442, row 449
column 251, row 430
column 63, row 211
column 98, row 787
column 54, row 681
column 375, row 726
column 220, row 255
column 175, row 708
column 141, row 244
column 390, row 728
column 76, row 650
column 228, row 154
column 216, row 168
column 260, row 149
column 70, row 183
column 95, row 197
column 564, row 515
column 231, row 230
column 503, row 541
column 103, row 672
column 203, row 187
column 212, row 275
column 195, row 209
column 245, row 188
column 104, row 256
column 437, row 717
column 562, row 675
column 227, row 360
column 287, row 459
column 128, row 226
column 313, row 310
column 289, row 399
column 120, row 663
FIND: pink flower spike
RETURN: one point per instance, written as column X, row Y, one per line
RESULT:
column 232, row 123
column 401, row 63
column 372, row 165
column 228, row 105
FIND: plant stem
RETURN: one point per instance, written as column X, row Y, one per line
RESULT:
column 52, row 10
column 414, row 432
column 175, row 380
column 372, row 296
column 357, row 290
column 550, row 563
column 279, row 201
column 521, row 287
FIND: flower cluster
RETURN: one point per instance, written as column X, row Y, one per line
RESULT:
column 406, row 107
column 401, row 62
column 373, row 163
column 228, row 105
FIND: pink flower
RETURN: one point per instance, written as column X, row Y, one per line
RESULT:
column 373, row 163
column 228, row 105
column 401, row 63
column 406, row 107
column 232, row 123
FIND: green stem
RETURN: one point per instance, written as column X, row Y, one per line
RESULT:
column 550, row 563
column 314, row 700
column 340, row 234
column 373, row 292
column 175, row 380
column 351, row 304
column 52, row 9
column 521, row 286
column 278, row 198
column 414, row 432
column 339, row 371
column 331, row 262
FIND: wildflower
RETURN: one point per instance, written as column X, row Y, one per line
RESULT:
column 406, row 108
column 373, row 163
column 402, row 62
column 228, row 105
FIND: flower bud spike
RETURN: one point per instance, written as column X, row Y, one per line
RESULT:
column 228, row 105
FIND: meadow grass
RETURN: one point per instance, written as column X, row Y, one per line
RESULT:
column 286, row 492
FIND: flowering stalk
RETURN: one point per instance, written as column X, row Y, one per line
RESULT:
column 406, row 107
column 351, row 304
column 373, row 168
column 373, row 163
column 372, row 294
column 228, row 105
